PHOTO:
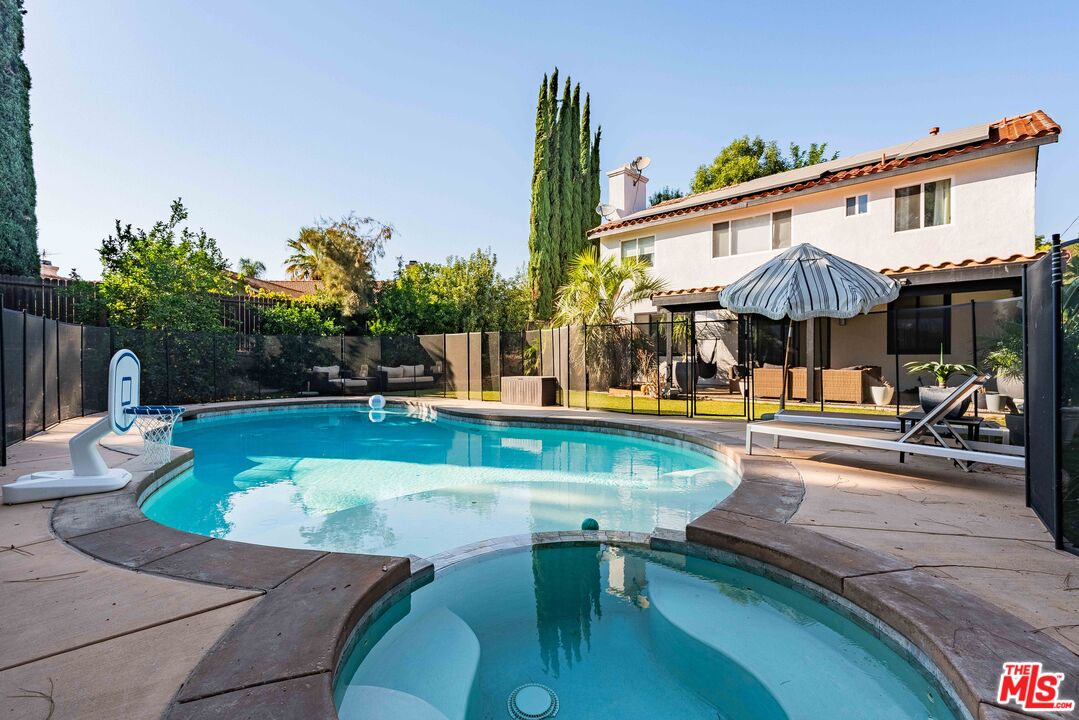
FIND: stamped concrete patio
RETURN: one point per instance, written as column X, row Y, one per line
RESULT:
column 86, row 639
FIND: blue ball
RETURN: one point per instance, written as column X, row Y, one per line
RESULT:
column 590, row 524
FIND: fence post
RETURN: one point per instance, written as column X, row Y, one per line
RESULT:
column 584, row 358
column 59, row 405
column 1026, row 389
column 24, row 374
column 974, row 348
column 82, row 370
column 1058, row 385
column 168, row 371
column 3, row 388
column 895, row 348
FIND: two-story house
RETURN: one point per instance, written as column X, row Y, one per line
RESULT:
column 949, row 214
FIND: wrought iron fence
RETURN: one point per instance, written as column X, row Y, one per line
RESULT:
column 62, row 299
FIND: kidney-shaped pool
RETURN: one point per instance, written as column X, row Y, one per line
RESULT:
column 399, row 482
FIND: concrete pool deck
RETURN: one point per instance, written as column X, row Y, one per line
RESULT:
column 83, row 638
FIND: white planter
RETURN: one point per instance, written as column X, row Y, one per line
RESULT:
column 997, row 402
column 882, row 395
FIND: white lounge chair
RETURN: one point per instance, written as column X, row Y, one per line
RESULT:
column 927, row 437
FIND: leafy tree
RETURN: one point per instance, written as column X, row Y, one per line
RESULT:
column 315, row 315
column 664, row 194
column 164, row 277
column 745, row 159
column 249, row 268
column 18, row 189
column 341, row 254
column 460, row 295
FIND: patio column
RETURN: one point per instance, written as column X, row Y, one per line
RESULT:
column 811, row 360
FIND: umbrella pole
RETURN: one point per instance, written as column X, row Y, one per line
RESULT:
column 786, row 365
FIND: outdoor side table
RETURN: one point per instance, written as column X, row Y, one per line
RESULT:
column 972, row 423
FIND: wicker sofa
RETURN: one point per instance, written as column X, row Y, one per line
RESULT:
column 839, row 384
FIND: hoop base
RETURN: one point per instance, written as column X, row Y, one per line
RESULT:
column 53, row 484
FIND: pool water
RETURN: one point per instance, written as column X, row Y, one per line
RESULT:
column 623, row 633
column 339, row 479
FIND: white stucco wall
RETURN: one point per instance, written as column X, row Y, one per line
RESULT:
column 992, row 214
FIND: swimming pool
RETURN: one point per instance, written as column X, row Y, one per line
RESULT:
column 623, row 633
column 334, row 479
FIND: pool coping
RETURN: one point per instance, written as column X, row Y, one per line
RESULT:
column 282, row 655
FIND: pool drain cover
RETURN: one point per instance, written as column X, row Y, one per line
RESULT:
column 533, row 702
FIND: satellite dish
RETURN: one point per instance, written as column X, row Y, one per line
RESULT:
column 640, row 162
column 603, row 209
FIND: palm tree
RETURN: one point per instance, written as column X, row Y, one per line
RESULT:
column 305, row 262
column 600, row 291
column 250, row 268
column 597, row 294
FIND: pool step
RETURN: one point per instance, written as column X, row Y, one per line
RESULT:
column 366, row 702
column 434, row 658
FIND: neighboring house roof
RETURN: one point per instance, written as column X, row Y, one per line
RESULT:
column 905, row 270
column 292, row 288
column 1009, row 131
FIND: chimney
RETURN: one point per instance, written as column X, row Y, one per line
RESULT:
column 48, row 270
column 627, row 191
column 934, row 130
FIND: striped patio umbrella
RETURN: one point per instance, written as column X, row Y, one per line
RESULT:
column 805, row 282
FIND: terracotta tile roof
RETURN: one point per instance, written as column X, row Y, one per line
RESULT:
column 1002, row 132
column 969, row 262
column 292, row 288
column 1018, row 258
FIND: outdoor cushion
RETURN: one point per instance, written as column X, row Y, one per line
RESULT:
column 409, row 380
column 332, row 371
column 414, row 369
column 392, row 372
column 349, row 382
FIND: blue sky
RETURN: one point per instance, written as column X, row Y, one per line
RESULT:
column 266, row 115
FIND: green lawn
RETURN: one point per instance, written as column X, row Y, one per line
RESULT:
column 641, row 405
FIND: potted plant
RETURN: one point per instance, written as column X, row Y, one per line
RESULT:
column 1005, row 361
column 930, row 397
column 882, row 394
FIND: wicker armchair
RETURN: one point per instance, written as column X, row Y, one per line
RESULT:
column 768, row 382
column 838, row 385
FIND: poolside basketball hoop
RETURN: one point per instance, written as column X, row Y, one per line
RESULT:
column 89, row 473
column 155, row 423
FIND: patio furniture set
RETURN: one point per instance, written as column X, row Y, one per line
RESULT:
column 335, row 380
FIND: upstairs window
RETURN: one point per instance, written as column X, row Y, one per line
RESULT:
column 781, row 230
column 752, row 234
column 857, row 205
column 925, row 205
column 721, row 239
column 643, row 248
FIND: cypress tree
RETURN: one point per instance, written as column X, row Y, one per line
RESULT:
column 588, row 211
column 539, row 220
column 573, row 237
column 564, row 190
column 595, row 170
column 18, row 197
column 567, row 225
column 554, row 183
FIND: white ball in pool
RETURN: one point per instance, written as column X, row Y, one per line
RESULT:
column 376, row 402
column 377, row 416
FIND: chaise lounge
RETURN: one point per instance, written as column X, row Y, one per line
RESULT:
column 925, row 438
